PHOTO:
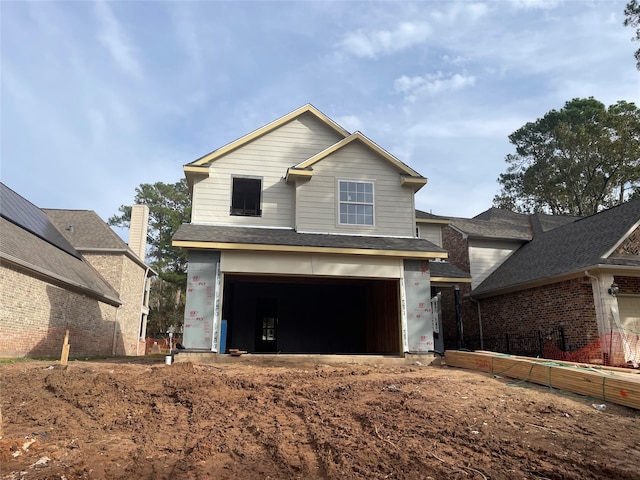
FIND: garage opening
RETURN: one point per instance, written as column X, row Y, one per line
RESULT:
column 314, row 316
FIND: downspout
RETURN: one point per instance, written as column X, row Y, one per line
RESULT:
column 600, row 303
column 479, row 321
column 459, row 325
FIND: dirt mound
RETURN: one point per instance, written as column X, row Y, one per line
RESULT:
column 131, row 419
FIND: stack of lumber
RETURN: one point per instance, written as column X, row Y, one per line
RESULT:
column 234, row 352
column 615, row 385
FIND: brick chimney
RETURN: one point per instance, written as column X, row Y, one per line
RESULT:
column 138, row 230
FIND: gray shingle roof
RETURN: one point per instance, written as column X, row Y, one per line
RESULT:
column 44, row 252
column 496, row 223
column 568, row 248
column 507, row 229
column 446, row 269
column 285, row 237
column 20, row 211
column 84, row 229
column 429, row 216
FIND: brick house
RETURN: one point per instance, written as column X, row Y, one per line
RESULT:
column 540, row 272
column 67, row 270
column 303, row 239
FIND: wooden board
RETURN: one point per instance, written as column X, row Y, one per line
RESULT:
column 611, row 385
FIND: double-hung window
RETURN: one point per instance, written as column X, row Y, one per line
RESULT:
column 356, row 203
column 245, row 196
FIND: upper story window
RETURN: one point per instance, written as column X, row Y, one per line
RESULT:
column 246, row 196
column 356, row 203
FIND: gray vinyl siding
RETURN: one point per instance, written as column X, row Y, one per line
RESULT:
column 317, row 207
column 487, row 255
column 431, row 232
column 267, row 157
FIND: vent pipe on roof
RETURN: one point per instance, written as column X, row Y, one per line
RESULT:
column 138, row 230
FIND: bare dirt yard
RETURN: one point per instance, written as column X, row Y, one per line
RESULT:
column 142, row 419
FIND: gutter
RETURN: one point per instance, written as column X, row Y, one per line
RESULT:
column 556, row 278
column 114, row 301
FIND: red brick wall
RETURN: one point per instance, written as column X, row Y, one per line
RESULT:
column 631, row 246
column 569, row 304
column 458, row 248
column 628, row 285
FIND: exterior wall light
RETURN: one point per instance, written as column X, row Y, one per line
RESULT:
column 614, row 289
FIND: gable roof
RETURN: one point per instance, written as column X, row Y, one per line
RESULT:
column 580, row 245
column 87, row 232
column 205, row 160
column 84, row 229
column 409, row 175
column 31, row 242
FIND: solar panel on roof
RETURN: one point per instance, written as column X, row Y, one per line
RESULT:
column 26, row 215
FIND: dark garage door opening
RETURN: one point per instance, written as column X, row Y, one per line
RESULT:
column 304, row 315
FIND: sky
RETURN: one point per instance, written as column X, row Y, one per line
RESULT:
column 100, row 97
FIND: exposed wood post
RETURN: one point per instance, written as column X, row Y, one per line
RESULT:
column 64, row 357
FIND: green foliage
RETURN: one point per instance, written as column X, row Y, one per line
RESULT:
column 575, row 161
column 169, row 207
column 632, row 19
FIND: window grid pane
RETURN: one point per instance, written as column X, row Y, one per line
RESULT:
column 356, row 203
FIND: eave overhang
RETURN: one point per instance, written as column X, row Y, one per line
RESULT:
column 434, row 221
column 450, row 280
column 627, row 270
column 306, row 249
column 294, row 174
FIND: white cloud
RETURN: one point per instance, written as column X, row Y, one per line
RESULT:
column 431, row 84
column 384, row 42
column 115, row 41
column 459, row 12
column 536, row 4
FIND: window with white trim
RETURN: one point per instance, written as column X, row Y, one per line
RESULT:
column 356, row 203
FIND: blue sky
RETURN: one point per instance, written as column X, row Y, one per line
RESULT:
column 99, row 97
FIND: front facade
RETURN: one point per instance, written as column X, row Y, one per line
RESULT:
column 303, row 240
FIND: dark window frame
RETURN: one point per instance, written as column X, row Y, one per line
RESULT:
column 246, row 196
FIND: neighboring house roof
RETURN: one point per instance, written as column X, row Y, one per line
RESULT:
column 496, row 223
column 503, row 229
column 567, row 249
column 425, row 217
column 409, row 175
column 29, row 241
column 87, row 232
column 445, row 271
column 275, row 239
